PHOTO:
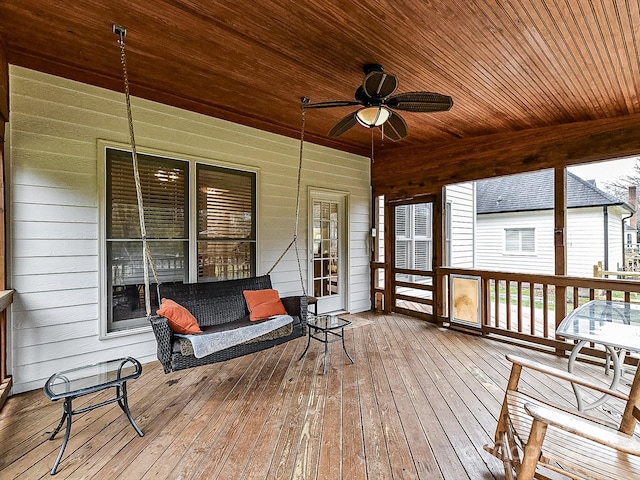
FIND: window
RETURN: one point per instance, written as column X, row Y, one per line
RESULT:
column 413, row 236
column 225, row 231
column 226, row 226
column 519, row 240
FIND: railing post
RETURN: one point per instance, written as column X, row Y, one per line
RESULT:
column 560, row 233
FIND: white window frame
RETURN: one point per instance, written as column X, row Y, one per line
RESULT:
column 192, row 161
column 520, row 251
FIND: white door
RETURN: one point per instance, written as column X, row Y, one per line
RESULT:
column 328, row 252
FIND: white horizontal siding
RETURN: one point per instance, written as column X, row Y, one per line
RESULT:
column 52, row 159
column 616, row 248
column 461, row 197
column 586, row 239
column 490, row 254
column 585, row 244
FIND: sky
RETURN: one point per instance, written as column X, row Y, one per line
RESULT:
column 604, row 172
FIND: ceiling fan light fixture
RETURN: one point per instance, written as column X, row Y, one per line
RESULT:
column 372, row 116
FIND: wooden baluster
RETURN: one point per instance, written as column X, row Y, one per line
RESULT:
column 496, row 300
column 545, row 310
column 532, row 309
column 508, row 302
column 519, row 305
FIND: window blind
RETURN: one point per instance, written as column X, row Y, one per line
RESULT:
column 226, row 203
column 164, row 195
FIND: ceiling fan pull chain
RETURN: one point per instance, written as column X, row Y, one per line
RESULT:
column 372, row 160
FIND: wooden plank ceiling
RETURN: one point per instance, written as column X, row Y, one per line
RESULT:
column 509, row 66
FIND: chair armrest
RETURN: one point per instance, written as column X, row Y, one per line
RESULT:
column 584, row 428
column 296, row 306
column 564, row 375
column 164, row 339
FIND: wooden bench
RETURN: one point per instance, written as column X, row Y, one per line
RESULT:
column 533, row 431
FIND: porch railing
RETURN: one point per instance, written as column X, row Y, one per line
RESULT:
column 6, row 298
column 529, row 307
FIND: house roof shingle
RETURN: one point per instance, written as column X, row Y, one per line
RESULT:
column 534, row 191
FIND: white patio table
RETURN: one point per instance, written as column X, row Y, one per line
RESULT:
column 615, row 325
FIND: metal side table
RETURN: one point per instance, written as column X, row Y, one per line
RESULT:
column 320, row 327
column 88, row 379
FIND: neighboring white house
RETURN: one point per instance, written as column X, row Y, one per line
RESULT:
column 515, row 225
column 57, row 207
column 461, row 225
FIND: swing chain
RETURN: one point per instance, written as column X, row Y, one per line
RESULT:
column 147, row 259
column 294, row 242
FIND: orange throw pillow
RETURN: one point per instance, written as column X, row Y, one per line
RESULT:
column 263, row 304
column 179, row 318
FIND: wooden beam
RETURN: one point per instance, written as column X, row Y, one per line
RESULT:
column 405, row 172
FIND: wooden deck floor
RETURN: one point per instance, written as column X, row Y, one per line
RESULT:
column 420, row 402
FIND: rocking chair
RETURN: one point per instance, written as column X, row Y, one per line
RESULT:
column 533, row 432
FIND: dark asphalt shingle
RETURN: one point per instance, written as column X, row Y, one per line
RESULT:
column 534, row 191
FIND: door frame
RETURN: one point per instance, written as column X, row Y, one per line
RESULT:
column 342, row 198
column 390, row 255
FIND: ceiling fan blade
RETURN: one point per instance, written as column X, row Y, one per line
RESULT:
column 379, row 84
column 331, row 104
column 420, row 102
column 395, row 127
column 343, row 125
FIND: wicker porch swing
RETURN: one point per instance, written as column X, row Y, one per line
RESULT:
column 219, row 306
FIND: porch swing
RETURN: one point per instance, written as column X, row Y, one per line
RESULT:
column 208, row 322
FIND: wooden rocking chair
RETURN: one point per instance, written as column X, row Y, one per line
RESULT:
column 533, row 431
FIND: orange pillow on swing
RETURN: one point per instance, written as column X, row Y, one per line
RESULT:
column 263, row 304
column 179, row 318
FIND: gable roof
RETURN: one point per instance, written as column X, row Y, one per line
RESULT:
column 534, row 191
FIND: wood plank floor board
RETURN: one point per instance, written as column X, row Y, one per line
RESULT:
column 470, row 409
column 419, row 402
column 330, row 460
column 210, row 437
column 400, row 460
column 175, row 438
column 284, row 456
column 308, row 448
column 353, row 457
column 375, row 449
column 262, row 456
column 451, row 411
column 427, row 400
column 231, row 452
column 400, row 380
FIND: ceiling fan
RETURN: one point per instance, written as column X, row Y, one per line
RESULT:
column 378, row 104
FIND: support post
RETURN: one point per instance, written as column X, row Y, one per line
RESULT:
column 5, row 379
column 560, row 235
